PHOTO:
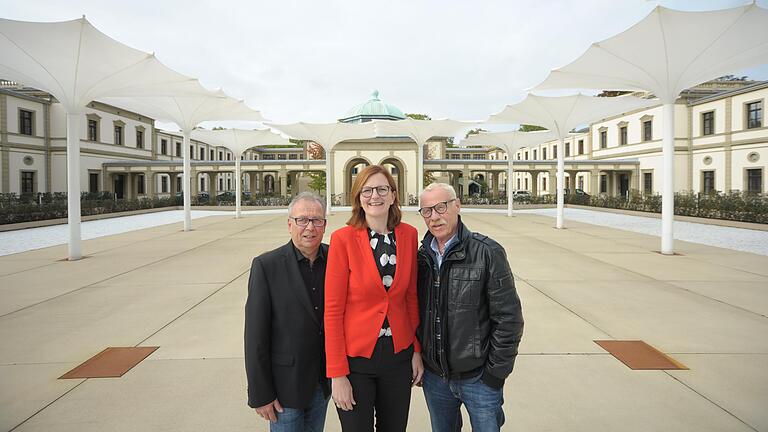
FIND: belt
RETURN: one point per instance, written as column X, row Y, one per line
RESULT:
column 385, row 332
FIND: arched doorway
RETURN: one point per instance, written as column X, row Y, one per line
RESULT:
column 351, row 168
column 396, row 168
column 269, row 184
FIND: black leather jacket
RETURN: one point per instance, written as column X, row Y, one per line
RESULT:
column 471, row 318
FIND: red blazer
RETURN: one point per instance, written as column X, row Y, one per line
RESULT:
column 356, row 301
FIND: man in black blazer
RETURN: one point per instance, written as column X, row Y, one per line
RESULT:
column 284, row 341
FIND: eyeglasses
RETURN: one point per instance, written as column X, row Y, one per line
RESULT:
column 367, row 192
column 440, row 208
column 302, row 221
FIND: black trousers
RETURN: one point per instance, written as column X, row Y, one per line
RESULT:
column 381, row 385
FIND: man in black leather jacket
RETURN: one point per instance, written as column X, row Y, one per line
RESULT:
column 471, row 319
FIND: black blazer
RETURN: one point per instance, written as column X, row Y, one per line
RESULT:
column 284, row 341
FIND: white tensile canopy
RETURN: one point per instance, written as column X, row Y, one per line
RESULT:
column 510, row 142
column 421, row 131
column 77, row 63
column 327, row 135
column 665, row 53
column 188, row 112
column 238, row 141
column 561, row 115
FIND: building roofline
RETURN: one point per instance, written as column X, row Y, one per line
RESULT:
column 728, row 93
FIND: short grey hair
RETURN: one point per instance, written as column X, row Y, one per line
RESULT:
column 306, row 196
column 444, row 186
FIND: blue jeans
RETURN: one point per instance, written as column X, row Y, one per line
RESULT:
column 310, row 419
column 444, row 398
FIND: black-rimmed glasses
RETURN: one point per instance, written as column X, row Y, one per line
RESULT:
column 367, row 192
column 302, row 221
column 440, row 208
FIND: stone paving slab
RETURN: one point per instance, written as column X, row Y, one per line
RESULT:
column 185, row 292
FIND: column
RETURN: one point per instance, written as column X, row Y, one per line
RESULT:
column 496, row 178
column 572, row 182
column 252, row 183
column 552, row 181
column 128, row 194
column 194, row 183
column 467, row 178
column 634, row 179
column 149, row 184
column 213, row 186
column 534, row 183
column 172, row 185
column 283, row 180
column 594, row 181
column 260, row 187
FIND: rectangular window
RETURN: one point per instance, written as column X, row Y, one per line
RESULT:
column 707, row 182
column 755, row 115
column 581, row 183
column 221, row 184
column 648, row 130
column 603, row 139
column 526, row 183
column 478, row 156
column 140, row 139
column 466, row 156
column 269, row 157
column 282, row 156
column 27, row 182
column 567, row 149
column 229, row 156
column 544, row 153
column 708, row 123
column 26, row 122
column 603, row 183
column 648, row 183
column 93, row 182
column 178, row 183
column 202, row 184
column 293, row 156
column 581, row 147
column 164, row 184
column 164, row 146
column 221, row 156
column 455, row 156
column 142, row 189
column 755, row 180
column 554, row 152
column 118, row 135
column 213, row 155
column 623, row 136
column 534, row 155
column 178, row 149
column 93, row 130
column 526, row 155
column 202, row 153
column 191, row 152
column 518, row 183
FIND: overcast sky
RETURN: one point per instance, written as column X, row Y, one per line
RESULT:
column 314, row 60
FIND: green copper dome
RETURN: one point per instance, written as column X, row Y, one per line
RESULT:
column 373, row 109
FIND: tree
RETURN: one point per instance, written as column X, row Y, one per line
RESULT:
column 315, row 150
column 317, row 183
column 612, row 93
column 474, row 132
column 419, row 116
column 530, row 128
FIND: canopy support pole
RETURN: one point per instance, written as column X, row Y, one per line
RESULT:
column 668, row 186
column 420, row 179
column 560, row 183
column 327, row 180
column 510, row 195
column 238, row 187
column 186, row 189
column 73, row 185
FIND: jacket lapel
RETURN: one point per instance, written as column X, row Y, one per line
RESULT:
column 295, row 282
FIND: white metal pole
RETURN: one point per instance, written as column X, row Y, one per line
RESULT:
column 238, row 187
column 73, row 185
column 510, row 195
column 327, row 179
column 668, row 186
column 420, row 180
column 560, row 182
column 186, row 188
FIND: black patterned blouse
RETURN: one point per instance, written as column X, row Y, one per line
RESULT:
column 385, row 254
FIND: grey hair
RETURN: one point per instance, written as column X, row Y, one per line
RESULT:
column 444, row 186
column 308, row 196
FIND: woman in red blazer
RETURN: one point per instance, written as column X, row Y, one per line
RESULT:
column 371, row 309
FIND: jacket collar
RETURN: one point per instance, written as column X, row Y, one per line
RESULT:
column 364, row 243
column 462, row 235
column 294, row 281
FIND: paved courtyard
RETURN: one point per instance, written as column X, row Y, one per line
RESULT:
column 184, row 292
